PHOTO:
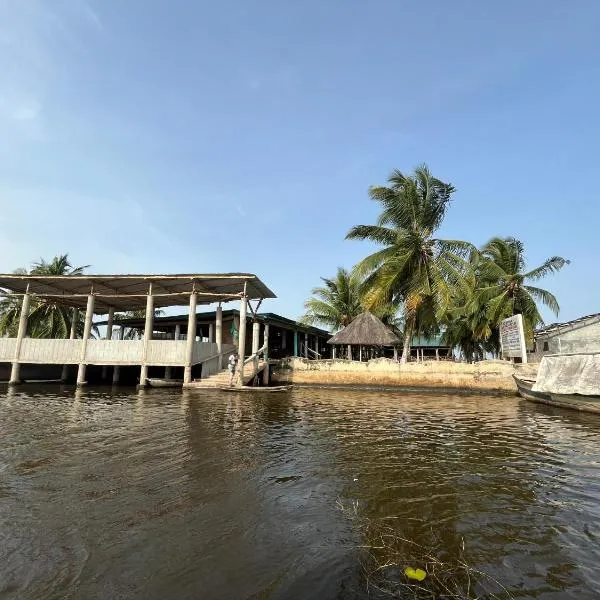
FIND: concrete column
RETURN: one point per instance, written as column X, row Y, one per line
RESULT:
column 295, row 343
column 219, row 338
column 108, row 336
column 211, row 333
column 242, row 337
column 74, row 318
column 15, row 372
column 349, row 352
column 191, row 338
column 255, row 337
column 89, row 314
column 148, row 327
column 305, row 345
column 117, row 368
column 266, row 344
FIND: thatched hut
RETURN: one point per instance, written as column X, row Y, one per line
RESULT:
column 366, row 330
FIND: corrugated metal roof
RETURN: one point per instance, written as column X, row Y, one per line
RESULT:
column 129, row 292
column 554, row 328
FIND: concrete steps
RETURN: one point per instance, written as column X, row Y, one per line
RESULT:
column 221, row 379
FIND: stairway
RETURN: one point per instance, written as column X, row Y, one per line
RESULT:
column 221, row 379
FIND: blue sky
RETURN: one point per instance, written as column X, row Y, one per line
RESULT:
column 154, row 136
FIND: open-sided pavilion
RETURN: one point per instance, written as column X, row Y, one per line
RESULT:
column 108, row 294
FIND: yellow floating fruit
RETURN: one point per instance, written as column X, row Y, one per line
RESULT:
column 417, row 574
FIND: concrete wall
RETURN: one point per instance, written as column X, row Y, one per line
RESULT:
column 491, row 375
column 104, row 352
column 578, row 338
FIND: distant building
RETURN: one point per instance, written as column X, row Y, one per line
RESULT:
column 580, row 335
column 433, row 347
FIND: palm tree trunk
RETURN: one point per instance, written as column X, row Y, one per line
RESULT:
column 408, row 332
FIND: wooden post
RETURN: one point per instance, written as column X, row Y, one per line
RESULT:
column 306, row 345
column 395, row 352
column 242, row 336
column 437, row 354
column 349, row 352
column 15, row 372
column 255, row 336
column 117, row 368
column 333, row 352
column 295, row 343
column 191, row 339
column 219, row 340
column 360, row 353
column 108, row 336
column 87, row 329
column 74, row 319
column 148, row 327
column 266, row 344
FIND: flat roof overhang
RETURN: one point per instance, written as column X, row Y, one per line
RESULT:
column 129, row 292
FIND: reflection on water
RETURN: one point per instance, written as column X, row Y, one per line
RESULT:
column 162, row 494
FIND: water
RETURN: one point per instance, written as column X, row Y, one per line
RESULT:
column 163, row 494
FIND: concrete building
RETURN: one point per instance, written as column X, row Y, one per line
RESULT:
column 580, row 335
column 193, row 355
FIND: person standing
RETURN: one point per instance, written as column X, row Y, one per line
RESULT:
column 232, row 364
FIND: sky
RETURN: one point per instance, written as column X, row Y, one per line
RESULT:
column 188, row 137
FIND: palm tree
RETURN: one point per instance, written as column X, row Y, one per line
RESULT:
column 505, row 283
column 47, row 318
column 336, row 303
column 414, row 268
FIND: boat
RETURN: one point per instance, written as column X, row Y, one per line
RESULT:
column 524, row 389
column 248, row 388
column 43, row 381
column 565, row 380
column 163, row 383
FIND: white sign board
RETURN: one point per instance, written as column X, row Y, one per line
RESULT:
column 512, row 338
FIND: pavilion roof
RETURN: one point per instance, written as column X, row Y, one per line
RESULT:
column 365, row 330
column 129, row 292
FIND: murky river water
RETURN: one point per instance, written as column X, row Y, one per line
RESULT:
column 159, row 494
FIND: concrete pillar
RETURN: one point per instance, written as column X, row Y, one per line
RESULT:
column 15, row 372
column 305, row 345
column 242, row 337
column 349, row 352
column 295, row 343
column 177, row 333
column 255, row 337
column 191, row 338
column 266, row 344
column 117, row 368
column 211, row 333
column 219, row 338
column 148, row 327
column 108, row 336
column 74, row 319
column 89, row 314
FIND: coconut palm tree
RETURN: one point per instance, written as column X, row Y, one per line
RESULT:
column 414, row 267
column 505, row 283
column 47, row 318
column 131, row 333
column 336, row 303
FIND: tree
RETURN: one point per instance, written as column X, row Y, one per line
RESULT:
column 413, row 268
column 505, row 285
column 336, row 303
column 47, row 318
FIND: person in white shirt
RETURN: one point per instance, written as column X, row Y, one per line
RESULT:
column 232, row 364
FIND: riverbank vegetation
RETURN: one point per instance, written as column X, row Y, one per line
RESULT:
column 428, row 285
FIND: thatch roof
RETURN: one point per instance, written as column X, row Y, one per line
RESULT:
column 365, row 330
